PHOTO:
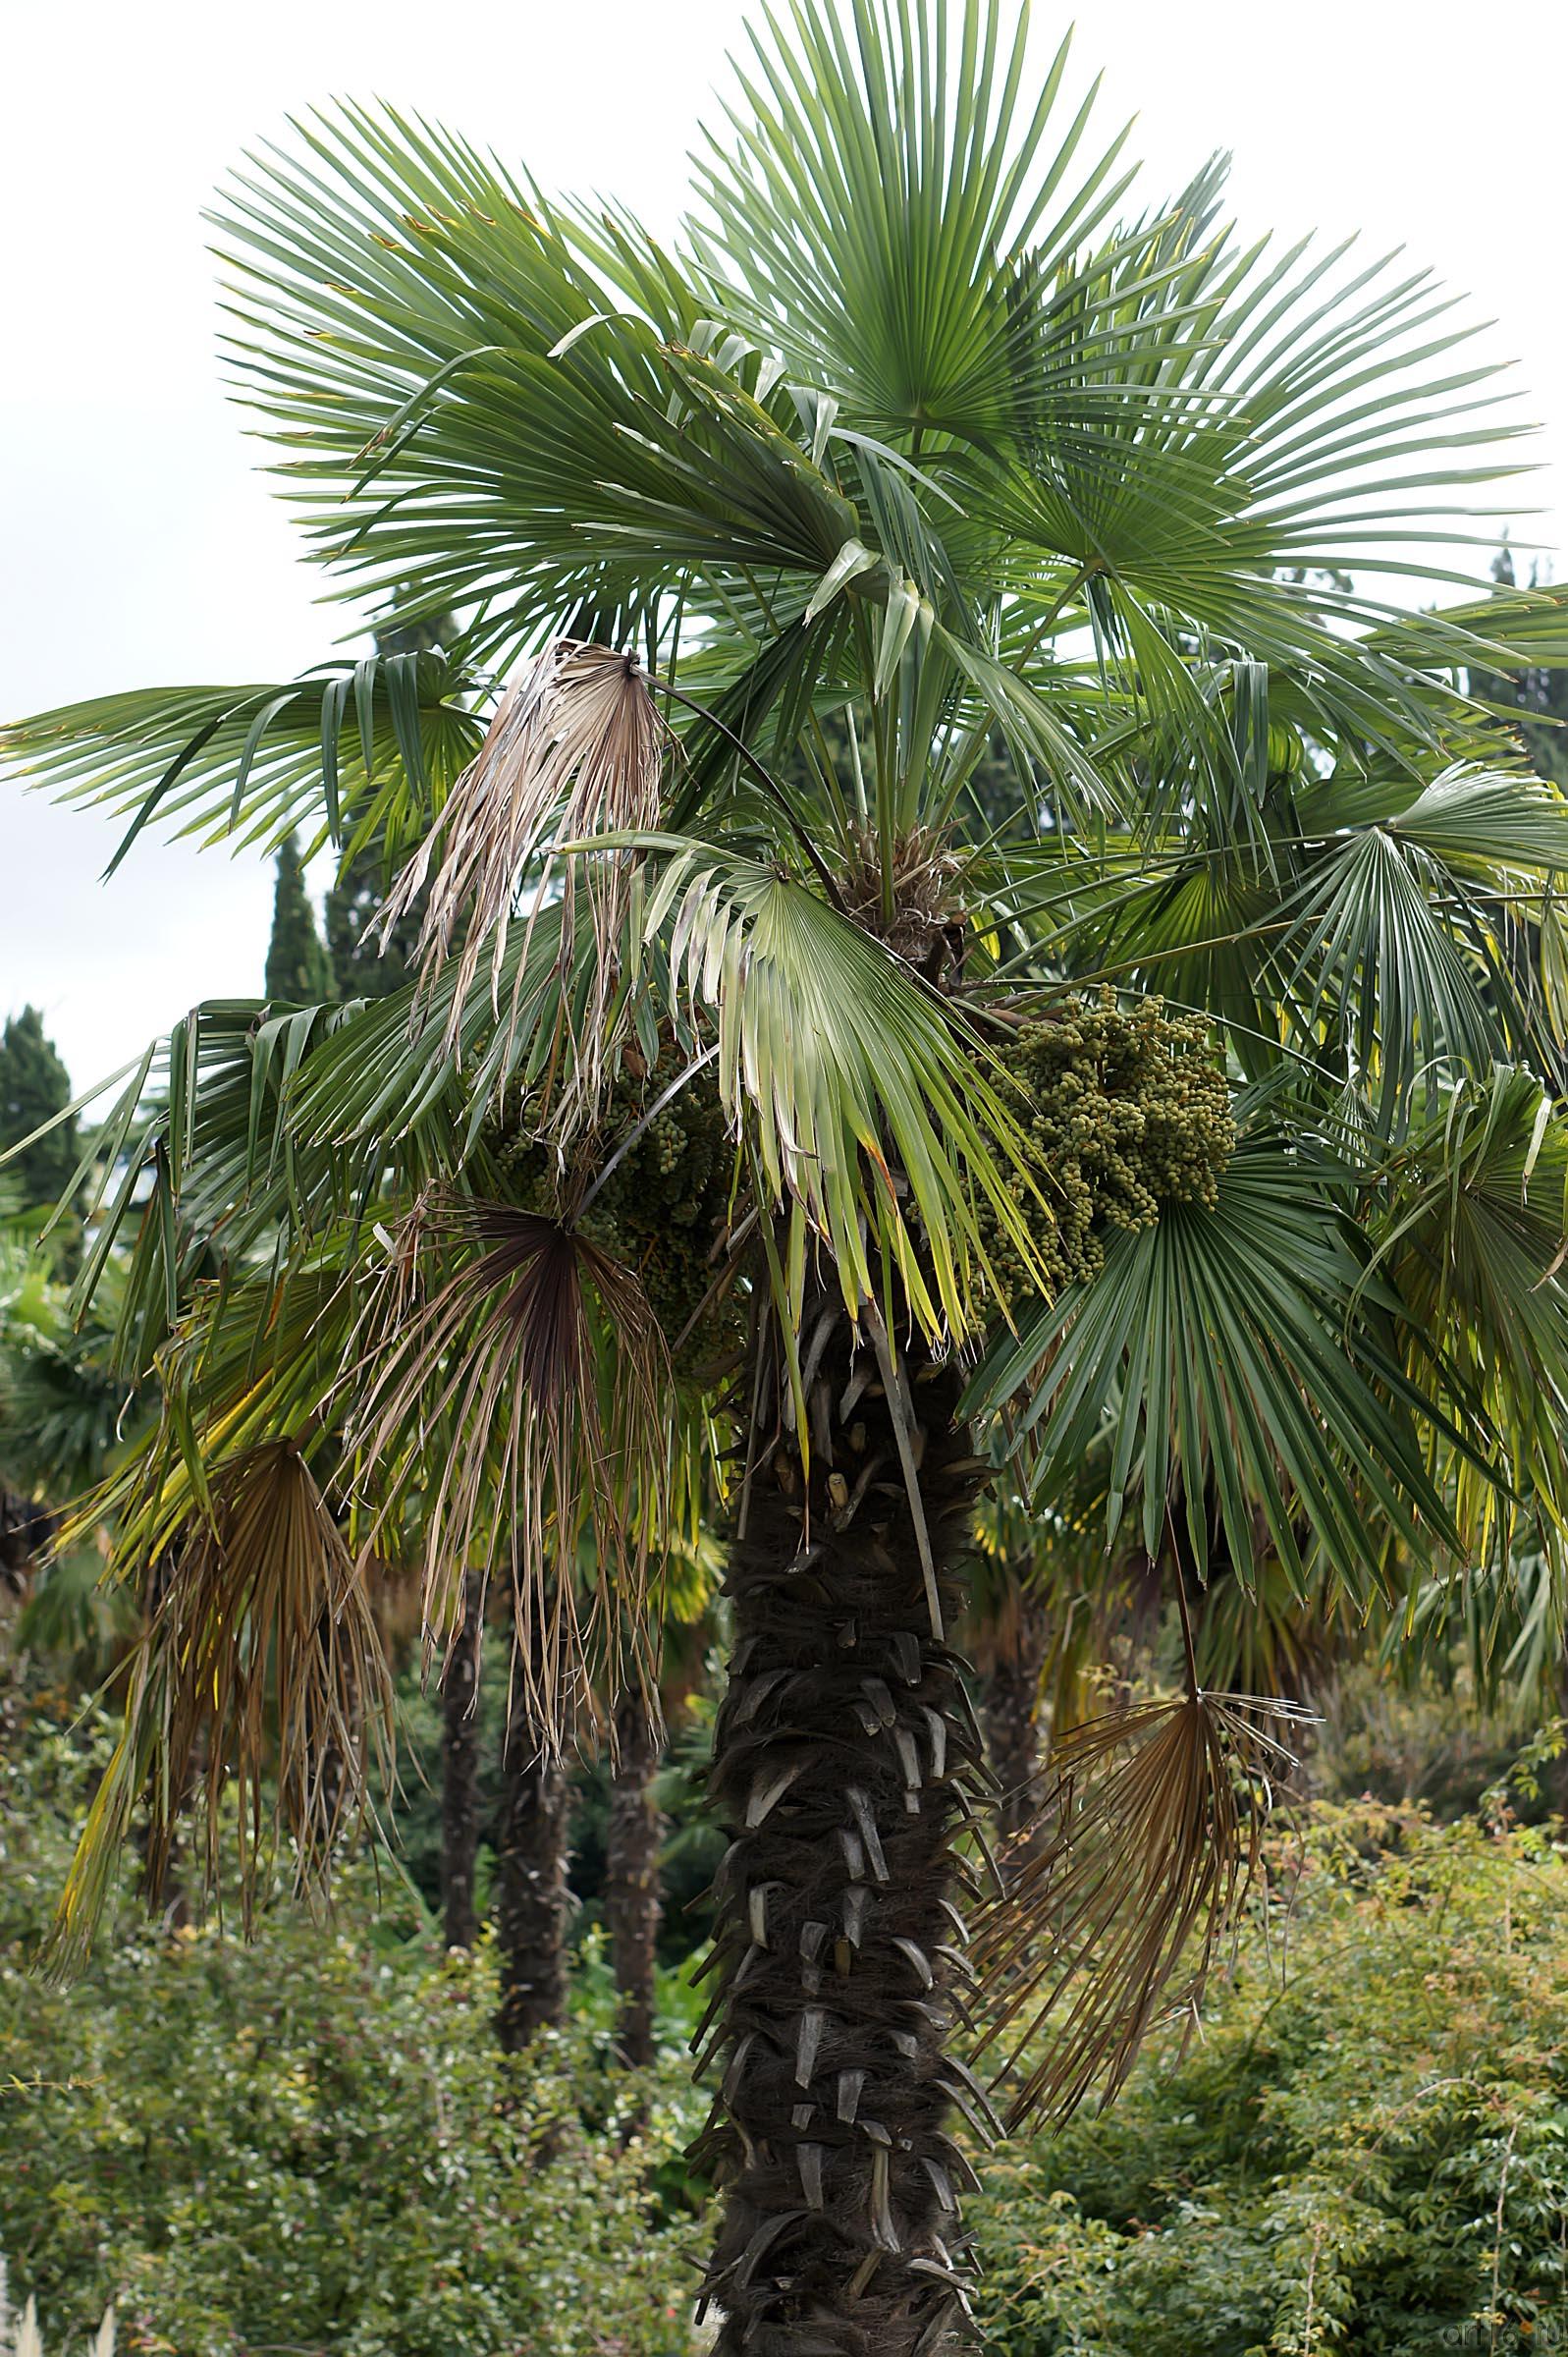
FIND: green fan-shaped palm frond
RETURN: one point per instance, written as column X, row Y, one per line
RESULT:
column 861, row 1084
column 1216, row 1351
column 254, row 1358
column 357, row 752
column 195, row 1170
column 939, row 235
column 1473, row 1224
column 457, row 297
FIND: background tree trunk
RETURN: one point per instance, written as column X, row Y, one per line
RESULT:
column 167, row 1896
column 530, row 1878
column 1555, row 1773
column 631, row 1875
column 1012, row 1727
column 847, row 1758
column 459, row 1770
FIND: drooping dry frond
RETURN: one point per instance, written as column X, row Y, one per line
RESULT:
column 575, row 752
column 532, row 1373
column 1147, row 1843
column 260, row 1662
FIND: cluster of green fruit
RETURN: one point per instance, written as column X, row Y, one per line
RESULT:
column 664, row 1206
column 1125, row 1110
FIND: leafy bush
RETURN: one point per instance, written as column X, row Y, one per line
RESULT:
column 19, row 2335
column 313, row 2143
column 1422, row 1738
column 1328, row 2166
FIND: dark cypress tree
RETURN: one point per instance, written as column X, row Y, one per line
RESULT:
column 360, row 968
column 297, row 971
column 33, row 1087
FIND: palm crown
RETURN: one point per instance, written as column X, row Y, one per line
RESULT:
column 922, row 588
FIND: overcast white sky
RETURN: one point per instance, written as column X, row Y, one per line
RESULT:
column 138, row 546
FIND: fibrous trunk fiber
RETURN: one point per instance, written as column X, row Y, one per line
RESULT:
column 846, row 1764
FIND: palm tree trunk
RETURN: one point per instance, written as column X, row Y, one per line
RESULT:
column 631, row 1875
column 847, row 1759
column 1012, row 1730
column 165, row 1890
column 530, row 1878
column 459, row 1770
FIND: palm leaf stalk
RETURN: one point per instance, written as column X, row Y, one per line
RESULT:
column 938, row 596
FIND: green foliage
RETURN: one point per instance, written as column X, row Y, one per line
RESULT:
column 63, row 1410
column 298, row 973
column 1538, row 696
column 1422, row 1738
column 1124, row 1111
column 64, row 1414
column 35, row 1087
column 1326, row 2168
column 313, row 2141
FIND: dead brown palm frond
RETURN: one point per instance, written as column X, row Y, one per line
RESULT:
column 260, row 1662
column 519, row 1379
column 1147, row 1843
column 576, row 751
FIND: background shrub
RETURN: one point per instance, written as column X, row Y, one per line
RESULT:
column 1327, row 2166
column 313, row 2142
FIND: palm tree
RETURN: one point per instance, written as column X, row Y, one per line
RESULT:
column 918, row 436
